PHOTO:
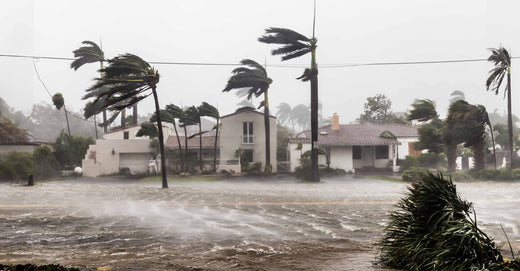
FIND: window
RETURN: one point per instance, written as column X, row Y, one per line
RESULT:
column 249, row 155
column 125, row 135
column 381, row 152
column 247, row 133
column 356, row 152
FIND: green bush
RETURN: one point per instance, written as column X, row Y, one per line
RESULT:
column 430, row 160
column 45, row 164
column 409, row 162
column 516, row 173
column 413, row 174
column 497, row 175
column 16, row 166
column 70, row 150
column 433, row 229
column 328, row 172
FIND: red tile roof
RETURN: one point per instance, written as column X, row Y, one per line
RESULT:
column 357, row 134
column 207, row 142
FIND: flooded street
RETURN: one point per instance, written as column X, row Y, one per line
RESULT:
column 218, row 225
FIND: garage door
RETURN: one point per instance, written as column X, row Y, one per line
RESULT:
column 136, row 162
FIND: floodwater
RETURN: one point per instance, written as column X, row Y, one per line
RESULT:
column 218, row 225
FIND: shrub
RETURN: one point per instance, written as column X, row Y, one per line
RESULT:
column 71, row 149
column 429, row 160
column 327, row 172
column 516, row 173
column 413, row 174
column 45, row 164
column 495, row 175
column 254, row 169
column 16, row 166
column 409, row 162
column 433, row 230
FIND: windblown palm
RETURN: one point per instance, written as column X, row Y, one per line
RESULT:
column 475, row 122
column 212, row 112
column 423, row 110
column 501, row 60
column 294, row 44
column 128, row 78
column 253, row 77
column 191, row 116
column 169, row 115
column 90, row 53
column 59, row 102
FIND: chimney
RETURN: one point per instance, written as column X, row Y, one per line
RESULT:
column 335, row 122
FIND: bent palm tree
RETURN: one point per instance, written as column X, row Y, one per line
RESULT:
column 501, row 59
column 59, row 102
column 189, row 117
column 168, row 115
column 212, row 112
column 423, row 110
column 128, row 78
column 253, row 77
column 90, row 53
column 294, row 44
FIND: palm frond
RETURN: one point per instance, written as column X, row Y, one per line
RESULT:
column 147, row 129
column 423, row 110
column 87, row 54
column 282, row 36
column 433, row 230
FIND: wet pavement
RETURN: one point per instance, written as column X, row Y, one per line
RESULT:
column 219, row 225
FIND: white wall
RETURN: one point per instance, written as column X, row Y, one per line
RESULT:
column 107, row 163
column 231, row 137
column 341, row 157
column 294, row 155
column 132, row 131
column 403, row 148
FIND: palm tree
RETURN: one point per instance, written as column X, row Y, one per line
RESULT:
column 191, row 116
column 59, row 102
column 423, row 110
column 501, row 59
column 212, row 112
column 475, row 122
column 455, row 132
column 90, row 53
column 294, row 44
column 169, row 115
column 128, row 78
column 253, row 77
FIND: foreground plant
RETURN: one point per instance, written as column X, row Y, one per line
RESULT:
column 433, row 229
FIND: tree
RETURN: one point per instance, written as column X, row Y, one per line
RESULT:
column 378, row 110
column 147, row 129
column 422, row 111
column 59, row 102
column 501, row 59
column 129, row 78
column 176, row 113
column 293, row 45
column 430, row 134
column 71, row 149
column 212, row 112
column 475, row 122
column 10, row 133
column 253, row 77
column 90, row 53
column 191, row 116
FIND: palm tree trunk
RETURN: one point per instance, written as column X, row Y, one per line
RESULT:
column 123, row 118
column 66, row 118
column 178, row 143
column 510, row 118
column 186, row 148
column 105, row 121
column 215, row 148
column 95, row 126
column 161, row 139
column 200, row 145
column 451, row 155
column 268, row 167
column 314, row 117
column 134, row 114
column 493, row 141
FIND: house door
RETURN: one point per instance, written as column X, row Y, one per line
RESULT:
column 368, row 153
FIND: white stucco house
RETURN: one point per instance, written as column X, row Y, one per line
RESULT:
column 356, row 146
column 242, row 129
column 119, row 149
column 245, row 129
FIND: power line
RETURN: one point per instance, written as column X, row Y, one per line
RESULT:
column 50, row 95
column 346, row 65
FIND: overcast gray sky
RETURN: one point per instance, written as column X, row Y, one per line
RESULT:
column 226, row 31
